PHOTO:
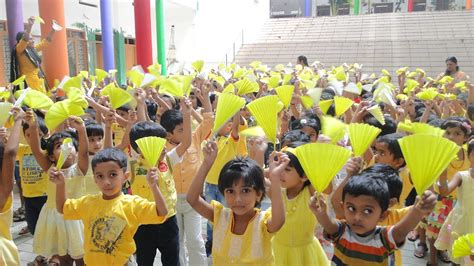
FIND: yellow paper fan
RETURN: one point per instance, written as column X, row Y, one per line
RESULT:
column 74, row 82
column 342, row 104
column 136, row 77
column 279, row 67
column 151, row 149
column 447, row 96
column 100, row 74
column 410, row 85
column 35, row 99
column 239, row 73
column 361, row 136
column 421, row 128
column 460, row 85
column 401, row 71
column 445, row 79
column 5, row 108
column 376, row 112
column 402, row 97
column 186, row 84
column 333, row 128
column 66, row 148
column 325, row 105
column 255, row 64
column 171, row 87
column 386, row 73
column 427, row 94
column 227, row 106
column 265, row 111
column 61, row 111
column 421, row 72
column 155, row 69
column 20, row 82
column 84, row 74
column 39, row 20
column 4, row 94
column 285, row 93
column 340, row 74
column 77, row 99
column 286, row 79
column 321, row 162
column 307, row 102
column 463, row 246
column 119, row 97
column 256, row 131
column 309, row 84
column 198, row 65
column 246, row 86
column 273, row 81
column 229, row 89
column 427, row 157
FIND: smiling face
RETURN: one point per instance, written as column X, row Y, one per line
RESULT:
column 109, row 177
column 455, row 134
column 241, row 199
column 362, row 213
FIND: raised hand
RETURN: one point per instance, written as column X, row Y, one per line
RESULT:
column 152, row 177
column 210, row 152
column 56, row 176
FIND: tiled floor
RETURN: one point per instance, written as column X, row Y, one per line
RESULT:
column 25, row 245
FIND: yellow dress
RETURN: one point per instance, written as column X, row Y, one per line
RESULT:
column 295, row 243
column 251, row 248
column 91, row 186
column 8, row 251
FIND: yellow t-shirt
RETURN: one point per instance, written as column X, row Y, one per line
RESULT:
column 251, row 248
column 407, row 187
column 8, row 250
column 34, row 182
column 227, row 149
column 394, row 216
column 109, row 225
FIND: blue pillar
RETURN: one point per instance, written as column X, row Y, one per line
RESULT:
column 107, row 34
column 307, row 8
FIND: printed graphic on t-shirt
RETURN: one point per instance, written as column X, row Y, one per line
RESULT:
column 30, row 170
column 106, row 232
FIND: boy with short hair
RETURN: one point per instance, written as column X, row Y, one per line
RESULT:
column 359, row 240
column 110, row 218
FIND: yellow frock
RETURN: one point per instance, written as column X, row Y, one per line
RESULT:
column 8, row 251
column 295, row 243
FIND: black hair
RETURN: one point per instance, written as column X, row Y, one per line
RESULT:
column 242, row 168
column 199, row 104
column 436, row 122
column 367, row 184
column 454, row 60
column 392, row 145
column 19, row 36
column 42, row 126
column 303, row 60
column 470, row 147
column 470, row 111
column 145, row 129
column 295, row 135
column 151, row 108
column 390, row 176
column 327, row 94
column 313, row 123
column 94, row 129
column 91, row 112
column 170, row 119
column 295, row 163
column 125, row 108
column 174, row 103
column 48, row 144
column 110, row 155
column 389, row 127
column 459, row 122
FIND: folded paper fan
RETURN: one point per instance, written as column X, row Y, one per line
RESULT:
column 402, row 97
column 385, row 96
column 74, row 82
column 255, row 64
column 421, row 128
column 35, row 99
column 5, row 108
column 279, row 67
column 171, row 87
column 321, row 162
column 427, row 157
column 256, row 131
column 59, row 112
column 245, row 86
column 265, row 111
column 155, row 69
column 447, row 96
column 401, row 71
column 239, row 73
column 325, row 105
column 38, row 19
column 229, row 89
column 315, row 94
column 333, row 128
column 135, row 77
column 119, row 97
column 460, row 85
column 421, row 72
column 20, row 82
column 77, row 99
column 151, row 148
column 342, row 104
column 361, row 136
column 376, row 112
column 353, row 88
column 445, row 79
column 66, row 148
column 286, row 79
column 106, row 90
column 84, row 74
column 463, row 246
column 427, row 94
column 285, row 93
column 4, row 93
column 56, row 26
column 273, row 81
column 147, row 80
column 340, row 74
column 309, row 84
column 410, row 85
column 307, row 102
column 386, row 73
column 100, row 74
column 186, row 85
column 198, row 65
column 227, row 106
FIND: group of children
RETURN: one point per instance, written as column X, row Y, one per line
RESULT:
column 104, row 204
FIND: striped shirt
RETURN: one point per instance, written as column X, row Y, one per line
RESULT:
column 374, row 249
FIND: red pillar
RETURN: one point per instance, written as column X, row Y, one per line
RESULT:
column 55, row 59
column 143, row 33
column 410, row 5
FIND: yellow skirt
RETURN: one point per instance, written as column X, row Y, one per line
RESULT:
column 310, row 254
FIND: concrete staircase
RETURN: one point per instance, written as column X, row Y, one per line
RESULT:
column 390, row 40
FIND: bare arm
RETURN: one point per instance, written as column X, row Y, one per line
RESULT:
column 445, row 187
column 187, row 133
column 319, row 208
column 83, row 151
column 34, row 142
column 278, row 209
column 57, row 177
column 152, row 178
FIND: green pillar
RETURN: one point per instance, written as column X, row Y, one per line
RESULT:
column 160, row 35
column 356, row 7
column 119, row 44
column 91, row 50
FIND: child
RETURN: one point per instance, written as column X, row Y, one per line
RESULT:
column 458, row 130
column 189, row 221
column 95, row 136
column 359, row 240
column 110, row 218
column 242, row 233
column 8, row 251
column 167, row 232
column 294, row 243
column 54, row 237
column 459, row 220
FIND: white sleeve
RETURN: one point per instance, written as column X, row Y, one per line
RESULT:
column 174, row 157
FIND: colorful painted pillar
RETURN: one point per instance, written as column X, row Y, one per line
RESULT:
column 411, row 3
column 468, row 4
column 55, row 57
column 356, row 7
column 143, row 33
column 120, row 56
column 14, row 19
column 307, row 8
column 107, row 34
column 160, row 35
